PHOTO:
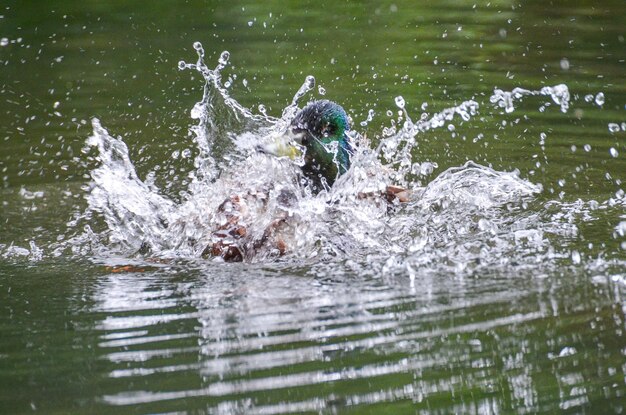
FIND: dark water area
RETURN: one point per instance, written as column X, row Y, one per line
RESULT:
column 488, row 293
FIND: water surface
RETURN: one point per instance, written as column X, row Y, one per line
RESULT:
column 498, row 289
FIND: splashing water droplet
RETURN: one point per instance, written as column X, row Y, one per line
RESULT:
column 198, row 47
column 321, row 90
column 310, row 81
column 308, row 85
column 169, row 227
column 197, row 111
column 400, row 102
column 613, row 127
column 613, row 152
column 182, row 65
column 600, row 99
column 559, row 94
column 224, row 57
column 370, row 116
column 504, row 99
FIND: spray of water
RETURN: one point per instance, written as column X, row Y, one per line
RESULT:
column 468, row 217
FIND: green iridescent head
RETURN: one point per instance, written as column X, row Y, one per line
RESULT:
column 321, row 127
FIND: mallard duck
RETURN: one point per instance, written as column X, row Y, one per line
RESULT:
column 321, row 130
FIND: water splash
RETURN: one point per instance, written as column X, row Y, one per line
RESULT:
column 467, row 218
column 397, row 145
column 135, row 212
column 505, row 99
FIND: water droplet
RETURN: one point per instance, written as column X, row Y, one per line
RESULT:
column 321, row 90
column 565, row 64
column 427, row 168
column 588, row 98
column 307, row 85
column 224, row 57
column 198, row 47
column 569, row 351
column 400, row 102
column 4, row 41
column 250, row 23
column 587, row 148
column 182, row 65
column 575, row 257
column 370, row 116
column 197, row 111
column 613, row 127
column 613, row 152
column 559, row 94
column 262, row 109
column 600, row 99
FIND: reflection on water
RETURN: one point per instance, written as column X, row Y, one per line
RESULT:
column 268, row 343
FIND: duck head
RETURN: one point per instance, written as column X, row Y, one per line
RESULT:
column 320, row 130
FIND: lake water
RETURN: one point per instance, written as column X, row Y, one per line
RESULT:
column 499, row 288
